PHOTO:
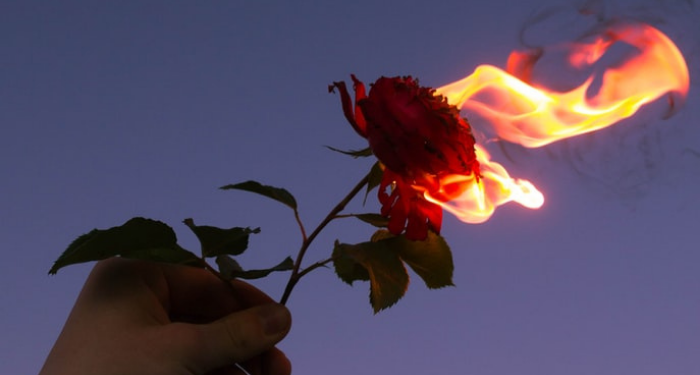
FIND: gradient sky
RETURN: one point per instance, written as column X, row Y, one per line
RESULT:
column 110, row 110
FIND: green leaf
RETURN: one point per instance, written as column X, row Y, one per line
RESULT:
column 376, row 220
column 138, row 238
column 228, row 266
column 278, row 194
column 387, row 274
column 354, row 153
column 346, row 267
column 381, row 234
column 381, row 261
column 431, row 259
column 375, row 178
column 230, row 269
column 217, row 241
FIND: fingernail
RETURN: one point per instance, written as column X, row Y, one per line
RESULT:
column 275, row 318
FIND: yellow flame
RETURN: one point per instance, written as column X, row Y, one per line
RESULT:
column 534, row 116
column 479, row 200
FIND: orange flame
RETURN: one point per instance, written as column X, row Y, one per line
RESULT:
column 535, row 116
column 476, row 202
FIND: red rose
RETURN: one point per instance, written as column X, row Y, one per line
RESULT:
column 419, row 138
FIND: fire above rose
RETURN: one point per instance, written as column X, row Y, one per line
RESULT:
column 430, row 157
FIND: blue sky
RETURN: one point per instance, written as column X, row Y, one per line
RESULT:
column 111, row 110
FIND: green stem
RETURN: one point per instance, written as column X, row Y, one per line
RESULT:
column 296, row 273
column 315, row 265
column 301, row 225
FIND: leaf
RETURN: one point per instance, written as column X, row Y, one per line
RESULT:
column 217, row 241
column 346, row 267
column 375, row 178
column 354, row 153
column 138, row 238
column 230, row 269
column 387, row 274
column 227, row 266
column 377, row 220
column 381, row 234
column 381, row 261
column 278, row 194
column 431, row 259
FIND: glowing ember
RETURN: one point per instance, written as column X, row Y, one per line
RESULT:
column 535, row 116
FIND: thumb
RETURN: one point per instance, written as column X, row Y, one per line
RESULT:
column 237, row 337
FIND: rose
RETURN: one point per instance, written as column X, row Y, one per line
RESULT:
column 419, row 138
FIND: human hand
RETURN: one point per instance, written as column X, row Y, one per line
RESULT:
column 135, row 317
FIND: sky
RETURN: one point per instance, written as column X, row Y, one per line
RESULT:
column 111, row 110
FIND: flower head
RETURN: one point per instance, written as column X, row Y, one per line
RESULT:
column 419, row 138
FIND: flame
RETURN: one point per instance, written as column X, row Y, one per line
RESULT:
column 533, row 116
column 477, row 200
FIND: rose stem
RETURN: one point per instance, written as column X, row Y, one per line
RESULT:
column 296, row 274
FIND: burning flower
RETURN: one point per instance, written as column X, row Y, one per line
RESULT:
column 420, row 139
column 430, row 162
